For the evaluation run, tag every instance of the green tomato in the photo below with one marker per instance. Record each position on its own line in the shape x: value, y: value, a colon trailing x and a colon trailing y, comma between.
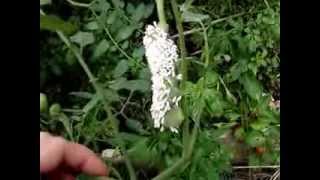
x: 174, y: 118
x: 55, y: 109
x: 43, y: 103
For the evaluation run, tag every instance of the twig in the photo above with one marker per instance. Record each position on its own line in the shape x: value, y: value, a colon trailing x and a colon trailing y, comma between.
x: 79, y: 4
x: 275, y: 175
x: 256, y: 167
x: 116, y: 173
x: 206, y: 45
x: 127, y: 102
x: 267, y: 4
x: 211, y: 24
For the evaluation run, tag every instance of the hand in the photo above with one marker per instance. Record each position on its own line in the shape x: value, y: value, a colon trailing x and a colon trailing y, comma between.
x: 62, y: 160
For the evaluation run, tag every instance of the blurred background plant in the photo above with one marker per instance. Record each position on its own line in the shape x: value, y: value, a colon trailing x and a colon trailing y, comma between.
x: 95, y: 84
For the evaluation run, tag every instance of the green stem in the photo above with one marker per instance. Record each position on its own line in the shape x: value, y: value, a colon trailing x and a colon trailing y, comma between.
x: 79, y: 4
x: 116, y: 173
x: 206, y: 45
x: 161, y: 15
x: 182, y: 46
x: 185, y: 137
x: 130, y: 168
x: 182, y: 161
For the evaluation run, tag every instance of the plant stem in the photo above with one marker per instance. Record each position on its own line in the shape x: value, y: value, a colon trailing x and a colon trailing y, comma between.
x: 116, y: 173
x: 130, y: 168
x: 182, y: 161
x: 206, y: 45
x: 211, y: 24
x: 161, y: 15
x: 79, y: 4
x: 182, y: 46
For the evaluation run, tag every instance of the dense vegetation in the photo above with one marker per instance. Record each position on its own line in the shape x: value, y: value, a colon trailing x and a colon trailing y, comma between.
x: 95, y: 84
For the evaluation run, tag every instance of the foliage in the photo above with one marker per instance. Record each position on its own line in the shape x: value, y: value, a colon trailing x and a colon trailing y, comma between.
x: 233, y: 53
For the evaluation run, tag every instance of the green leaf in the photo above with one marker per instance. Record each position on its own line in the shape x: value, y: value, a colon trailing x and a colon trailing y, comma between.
x: 45, y: 2
x: 135, y: 126
x: 254, y: 139
x: 139, y: 12
x: 85, y: 95
x: 211, y: 79
x: 132, y: 85
x: 111, y: 95
x: 138, y: 85
x: 101, y: 48
x: 148, y: 10
x: 252, y: 86
x: 121, y: 68
x: 214, y: 101
x: 193, y: 17
x: 145, y: 74
x: 119, y: 83
x: 93, y: 25
x: 54, y: 23
x: 138, y: 52
x: 232, y: 116
x: 118, y: 3
x: 125, y: 33
x: 113, y: 17
x: 259, y: 125
x: 100, y: 6
x: 83, y: 38
x: 130, y: 8
x: 91, y: 104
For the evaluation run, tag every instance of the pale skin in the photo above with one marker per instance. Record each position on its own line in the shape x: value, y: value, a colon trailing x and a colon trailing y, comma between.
x: 63, y: 160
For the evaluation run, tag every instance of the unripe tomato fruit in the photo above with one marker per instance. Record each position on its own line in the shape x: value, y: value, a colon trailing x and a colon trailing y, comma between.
x: 43, y: 103
x: 55, y: 109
